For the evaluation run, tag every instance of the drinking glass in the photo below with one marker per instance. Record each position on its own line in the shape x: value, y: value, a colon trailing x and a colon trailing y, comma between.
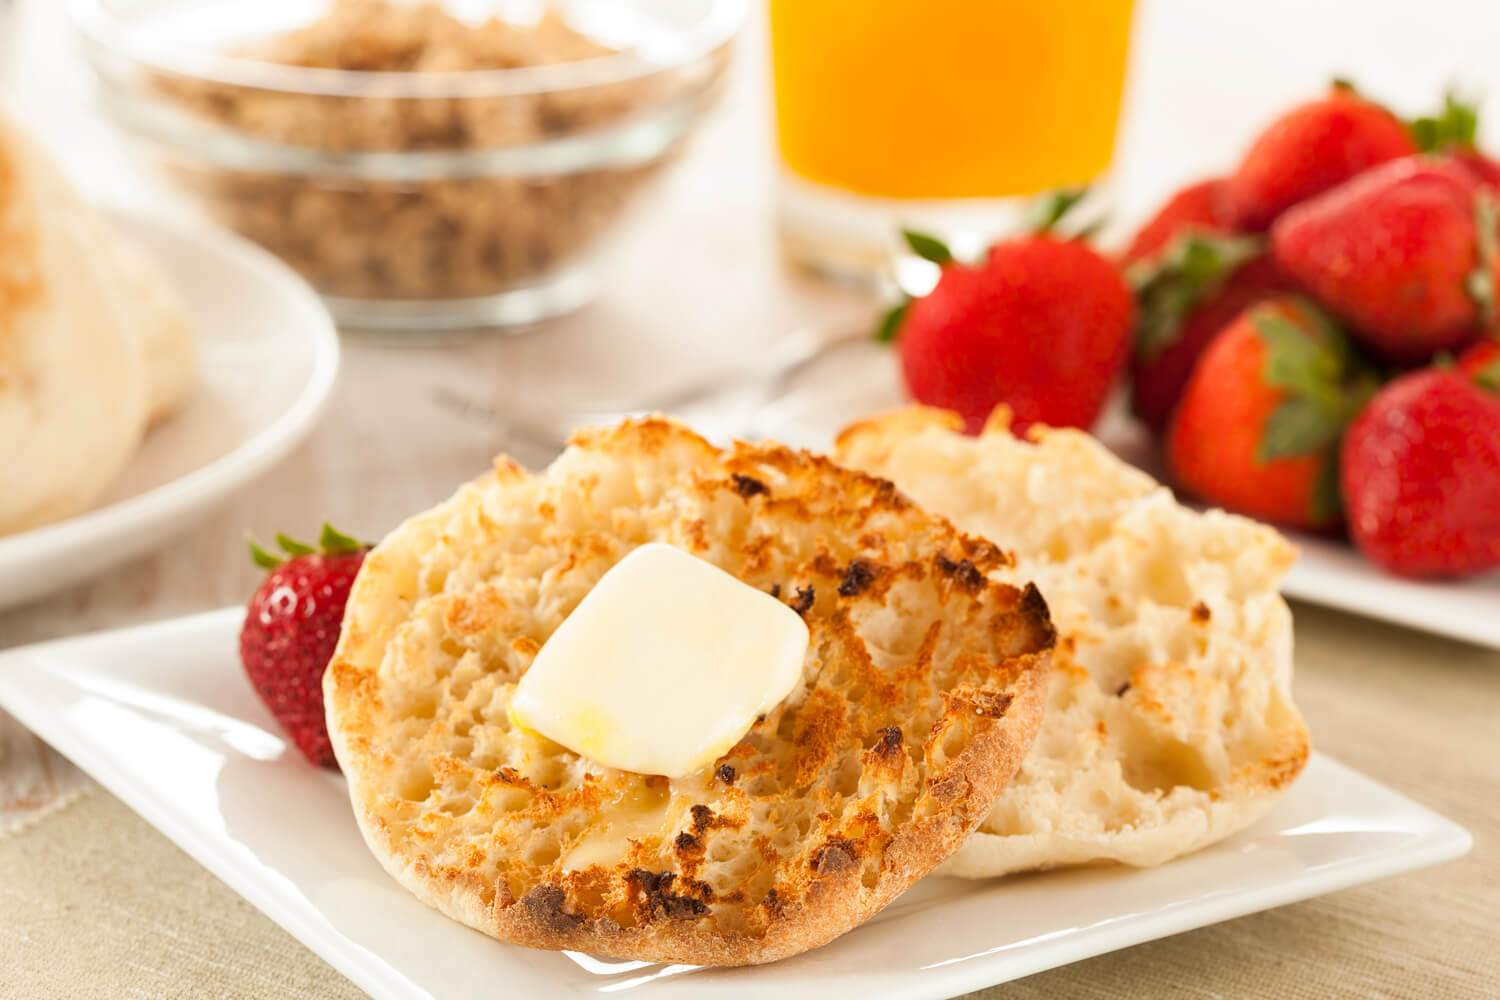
x: 944, y: 114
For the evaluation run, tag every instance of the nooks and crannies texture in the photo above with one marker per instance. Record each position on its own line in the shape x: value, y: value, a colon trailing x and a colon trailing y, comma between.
x: 1170, y: 723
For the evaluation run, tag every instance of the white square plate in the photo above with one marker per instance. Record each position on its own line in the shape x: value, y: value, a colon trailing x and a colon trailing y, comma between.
x: 162, y: 716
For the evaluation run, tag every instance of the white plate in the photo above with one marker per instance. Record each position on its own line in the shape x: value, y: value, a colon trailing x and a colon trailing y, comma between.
x: 267, y: 357
x: 859, y: 378
x: 162, y: 716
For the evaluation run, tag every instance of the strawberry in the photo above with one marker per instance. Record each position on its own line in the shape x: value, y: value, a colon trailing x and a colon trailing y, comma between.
x: 1184, y: 297
x: 1405, y: 254
x: 1310, y: 149
x: 1485, y: 169
x: 291, y: 628
x: 1258, y: 426
x: 1197, y: 208
x: 1042, y: 325
x: 1481, y: 363
x: 1421, y: 476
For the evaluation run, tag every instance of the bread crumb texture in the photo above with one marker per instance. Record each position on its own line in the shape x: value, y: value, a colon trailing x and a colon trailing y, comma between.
x: 1169, y: 722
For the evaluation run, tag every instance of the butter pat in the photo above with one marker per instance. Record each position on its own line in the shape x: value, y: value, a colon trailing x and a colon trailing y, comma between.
x: 663, y: 666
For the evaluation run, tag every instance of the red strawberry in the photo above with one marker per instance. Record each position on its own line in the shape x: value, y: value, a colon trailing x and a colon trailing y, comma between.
x: 1184, y: 297
x: 1481, y: 363
x: 291, y: 628
x: 1042, y: 326
x: 1481, y: 166
x: 1257, y: 428
x: 1404, y: 253
x: 1196, y: 208
x: 1421, y: 476
x: 1309, y: 150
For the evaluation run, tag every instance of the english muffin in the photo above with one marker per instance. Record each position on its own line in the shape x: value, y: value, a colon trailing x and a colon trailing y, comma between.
x: 923, y: 686
x: 1170, y: 722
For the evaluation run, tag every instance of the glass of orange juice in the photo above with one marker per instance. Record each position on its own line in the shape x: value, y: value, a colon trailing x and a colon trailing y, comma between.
x: 943, y: 114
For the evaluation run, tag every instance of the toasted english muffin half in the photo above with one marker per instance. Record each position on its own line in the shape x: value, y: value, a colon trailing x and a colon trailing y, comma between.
x: 923, y: 686
x: 1170, y: 722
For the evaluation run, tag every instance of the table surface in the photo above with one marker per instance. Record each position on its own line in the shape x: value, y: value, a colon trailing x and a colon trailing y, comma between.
x: 95, y: 903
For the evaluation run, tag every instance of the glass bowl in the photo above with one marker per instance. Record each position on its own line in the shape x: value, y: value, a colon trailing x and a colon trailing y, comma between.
x: 422, y: 166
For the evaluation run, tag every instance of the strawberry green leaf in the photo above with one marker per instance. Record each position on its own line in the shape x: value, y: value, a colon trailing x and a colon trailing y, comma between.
x: 1298, y: 426
x: 335, y: 543
x: 292, y: 547
x: 1323, y: 385
x: 1344, y: 84
x: 262, y: 558
x: 1171, y: 284
x: 1454, y: 126
x: 1309, y: 361
x: 890, y: 324
x: 1201, y: 261
x: 927, y: 247
x: 1048, y: 210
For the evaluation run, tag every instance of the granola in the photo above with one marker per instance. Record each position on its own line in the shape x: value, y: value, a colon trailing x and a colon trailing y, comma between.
x: 460, y: 232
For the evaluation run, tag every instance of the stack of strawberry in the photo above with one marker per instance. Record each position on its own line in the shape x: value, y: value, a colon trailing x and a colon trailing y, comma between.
x: 1291, y: 333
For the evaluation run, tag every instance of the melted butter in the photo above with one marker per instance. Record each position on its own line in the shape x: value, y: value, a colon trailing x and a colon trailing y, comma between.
x: 663, y: 666
x: 640, y: 815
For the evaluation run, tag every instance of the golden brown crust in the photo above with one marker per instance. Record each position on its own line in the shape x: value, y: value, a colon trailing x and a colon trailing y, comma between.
x: 924, y: 686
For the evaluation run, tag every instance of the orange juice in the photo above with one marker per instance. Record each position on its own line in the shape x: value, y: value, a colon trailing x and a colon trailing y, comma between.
x: 932, y: 99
